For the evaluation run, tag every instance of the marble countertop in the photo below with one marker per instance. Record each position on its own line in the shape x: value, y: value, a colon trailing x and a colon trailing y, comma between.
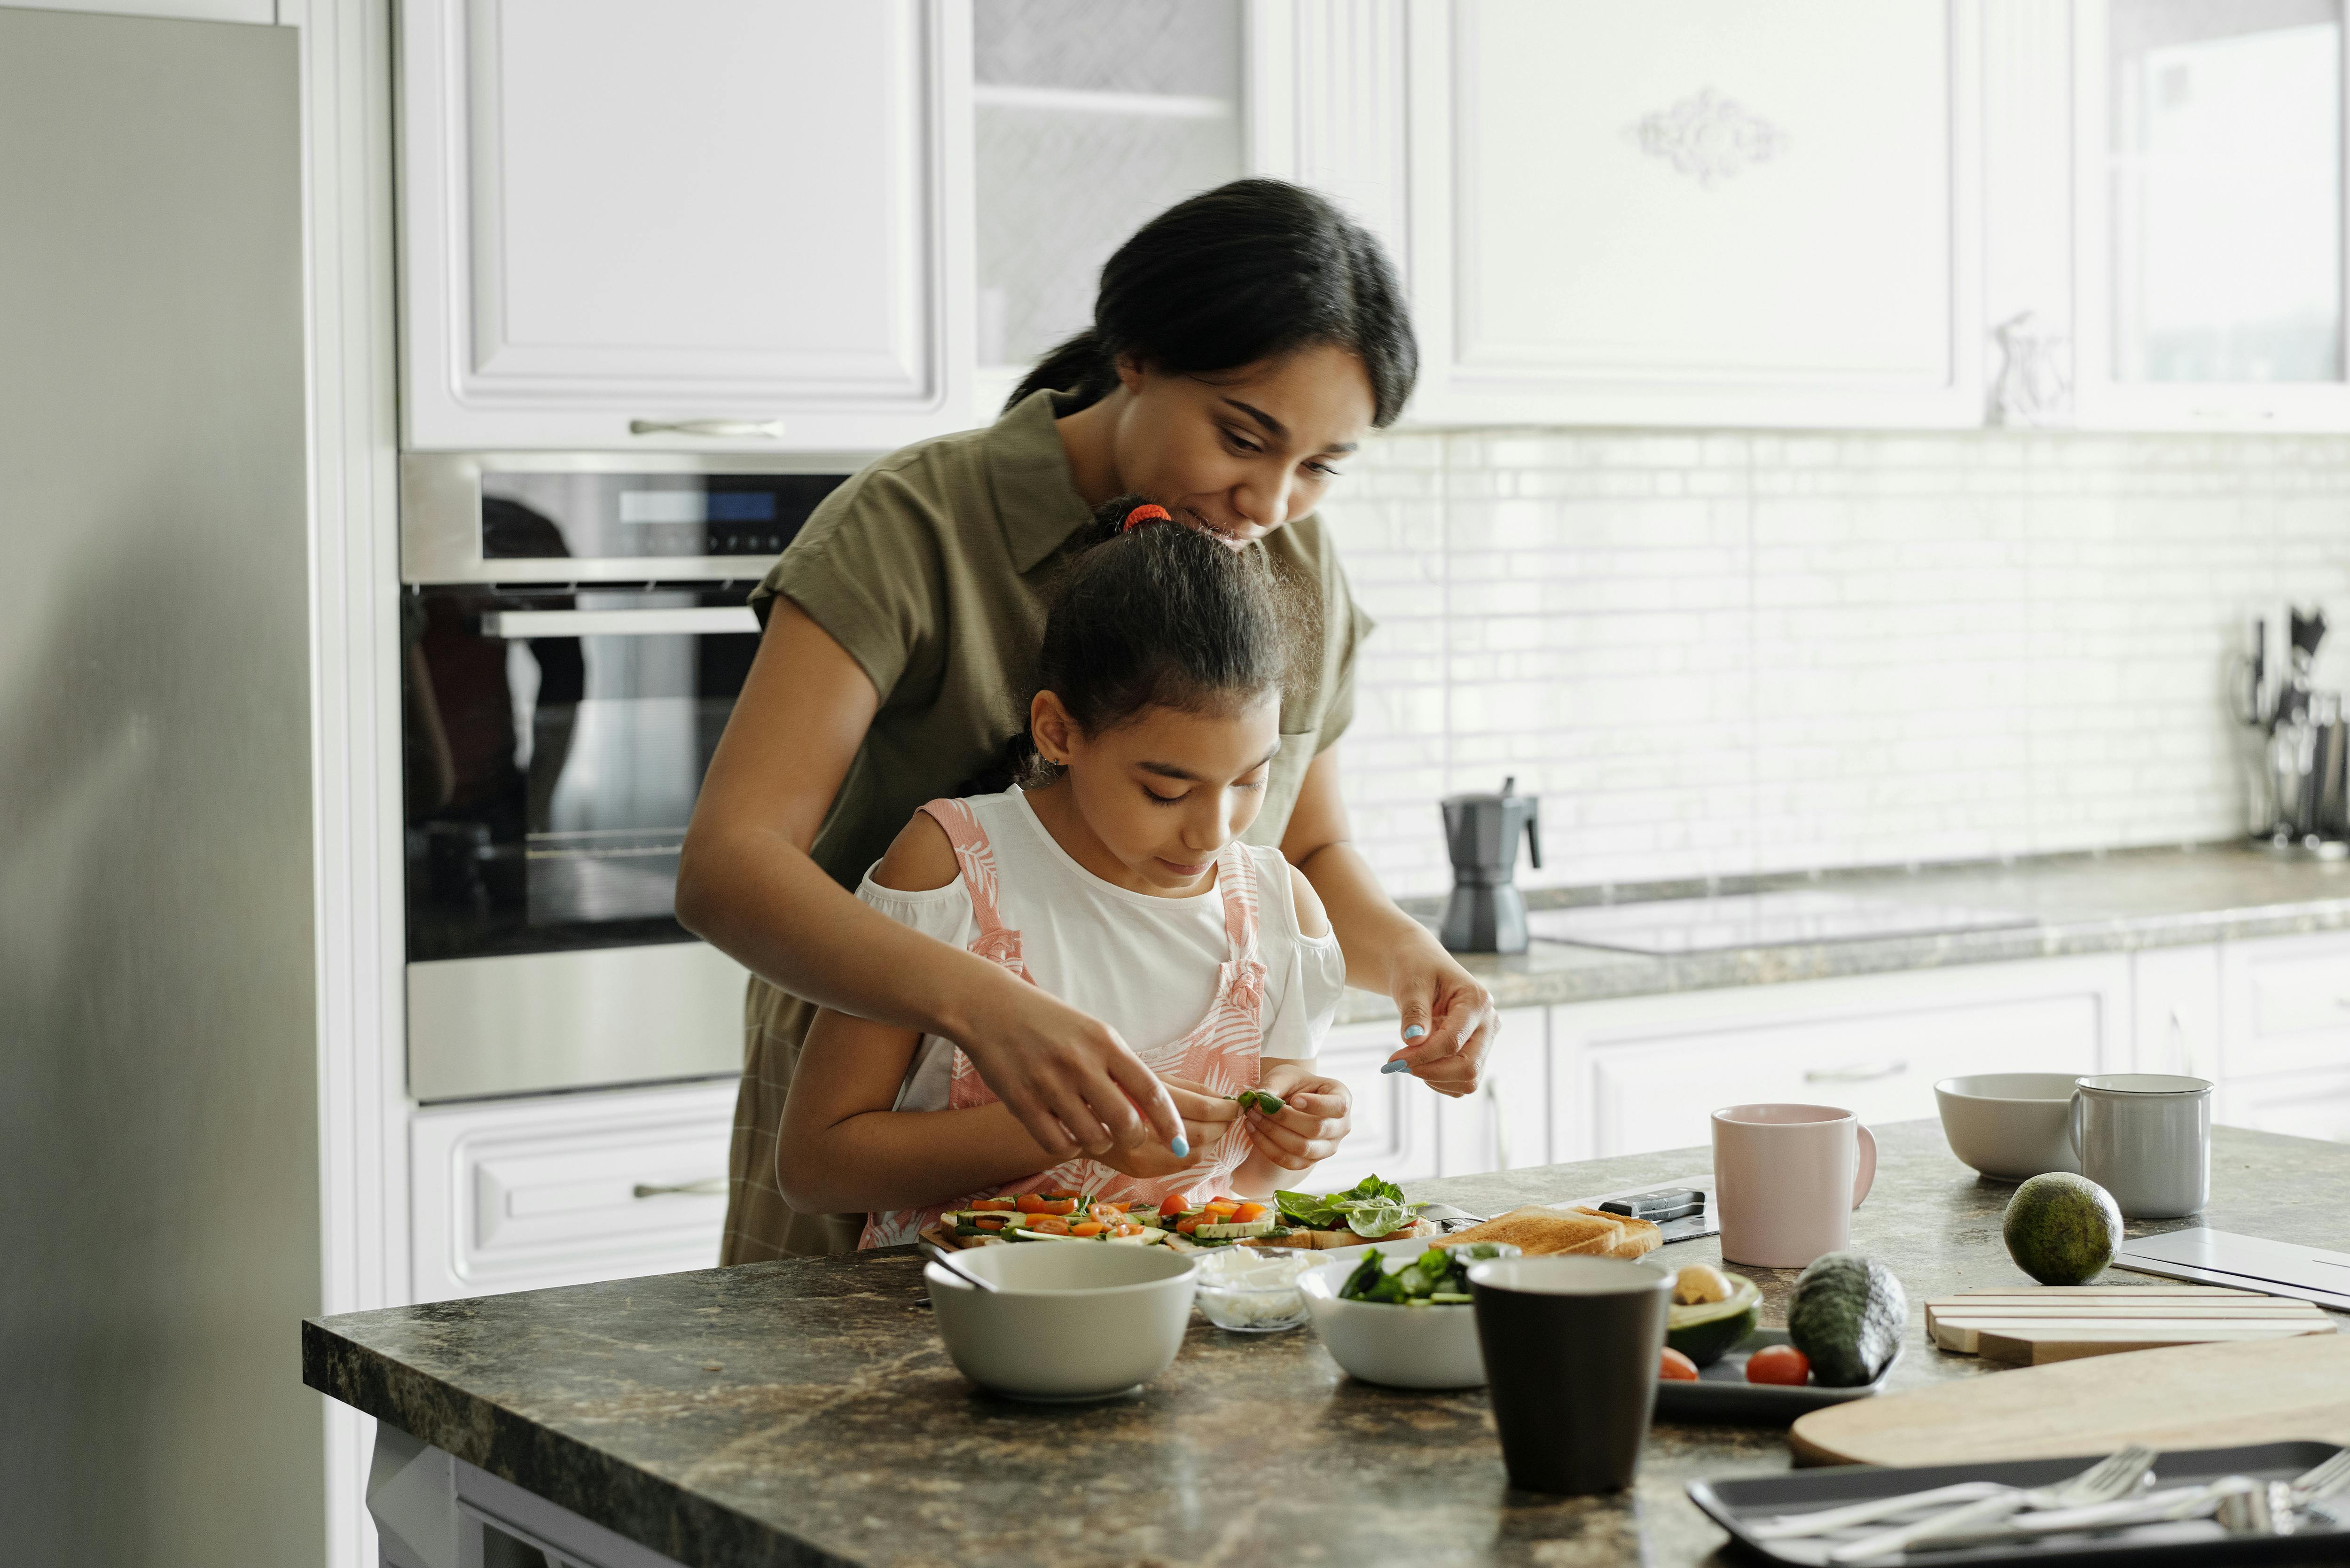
x: 2079, y: 904
x: 805, y: 1412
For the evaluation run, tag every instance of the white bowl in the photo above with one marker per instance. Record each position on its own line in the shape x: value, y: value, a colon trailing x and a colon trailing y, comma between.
x: 1401, y: 1346
x: 1249, y: 1290
x: 1070, y: 1320
x: 2011, y: 1126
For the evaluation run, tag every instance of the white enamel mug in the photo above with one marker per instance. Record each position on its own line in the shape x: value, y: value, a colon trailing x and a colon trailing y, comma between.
x: 1787, y: 1179
x: 2146, y: 1137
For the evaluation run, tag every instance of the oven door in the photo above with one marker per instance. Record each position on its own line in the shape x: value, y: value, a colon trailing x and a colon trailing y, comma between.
x: 556, y: 740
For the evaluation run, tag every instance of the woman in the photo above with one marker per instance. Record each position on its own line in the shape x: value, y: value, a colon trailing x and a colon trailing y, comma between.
x: 1243, y: 343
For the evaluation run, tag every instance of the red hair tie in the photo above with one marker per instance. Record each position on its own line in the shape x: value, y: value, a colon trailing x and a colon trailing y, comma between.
x: 1147, y: 512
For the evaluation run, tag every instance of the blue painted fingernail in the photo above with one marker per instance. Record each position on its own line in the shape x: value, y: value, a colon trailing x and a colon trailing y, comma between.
x: 1181, y: 1146
x: 1415, y: 1032
x: 1396, y: 1067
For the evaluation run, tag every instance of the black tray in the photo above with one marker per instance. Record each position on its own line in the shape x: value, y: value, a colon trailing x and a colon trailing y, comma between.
x: 1722, y: 1394
x: 1734, y: 1504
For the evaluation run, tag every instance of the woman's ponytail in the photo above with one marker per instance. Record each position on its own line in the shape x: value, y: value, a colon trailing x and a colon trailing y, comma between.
x: 1078, y: 366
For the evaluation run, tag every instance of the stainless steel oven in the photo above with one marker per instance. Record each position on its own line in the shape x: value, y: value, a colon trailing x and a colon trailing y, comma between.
x: 576, y: 632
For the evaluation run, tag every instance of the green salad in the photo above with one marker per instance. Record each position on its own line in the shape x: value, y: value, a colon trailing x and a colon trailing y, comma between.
x: 1369, y: 1208
x: 1438, y: 1277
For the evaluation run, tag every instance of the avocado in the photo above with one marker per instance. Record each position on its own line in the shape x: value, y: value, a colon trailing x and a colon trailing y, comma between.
x: 1234, y: 1228
x: 2062, y: 1229
x: 1848, y: 1313
x: 1704, y: 1331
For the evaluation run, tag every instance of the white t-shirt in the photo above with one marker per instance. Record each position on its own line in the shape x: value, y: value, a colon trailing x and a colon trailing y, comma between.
x: 1144, y: 965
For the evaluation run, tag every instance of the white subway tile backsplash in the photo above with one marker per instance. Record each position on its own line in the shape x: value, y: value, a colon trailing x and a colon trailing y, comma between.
x: 1721, y: 653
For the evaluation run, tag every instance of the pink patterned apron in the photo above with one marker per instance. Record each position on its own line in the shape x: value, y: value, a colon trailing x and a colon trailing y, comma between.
x: 1223, y: 1052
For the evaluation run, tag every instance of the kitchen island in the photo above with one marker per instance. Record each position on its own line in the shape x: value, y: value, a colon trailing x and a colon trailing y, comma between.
x: 806, y: 1412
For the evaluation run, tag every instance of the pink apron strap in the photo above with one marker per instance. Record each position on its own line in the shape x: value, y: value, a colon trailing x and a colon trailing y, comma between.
x: 1236, y: 877
x: 976, y: 860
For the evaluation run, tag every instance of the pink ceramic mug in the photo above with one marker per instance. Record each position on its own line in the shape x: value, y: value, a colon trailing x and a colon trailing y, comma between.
x: 1787, y: 1179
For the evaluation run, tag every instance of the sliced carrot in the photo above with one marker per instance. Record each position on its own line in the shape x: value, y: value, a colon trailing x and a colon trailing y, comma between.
x: 989, y: 1224
x: 1087, y: 1228
x: 1171, y: 1205
x: 1248, y: 1212
x: 1223, y: 1209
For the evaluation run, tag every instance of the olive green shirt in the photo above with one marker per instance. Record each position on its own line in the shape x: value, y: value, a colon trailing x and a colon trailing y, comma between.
x: 934, y: 569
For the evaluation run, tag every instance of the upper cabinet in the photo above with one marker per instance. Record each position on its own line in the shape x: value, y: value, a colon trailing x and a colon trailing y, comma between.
x: 2208, y: 143
x: 1704, y: 212
x: 735, y: 224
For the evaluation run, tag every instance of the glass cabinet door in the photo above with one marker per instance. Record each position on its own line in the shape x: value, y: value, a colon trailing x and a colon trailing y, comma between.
x: 2214, y: 142
x: 1092, y: 117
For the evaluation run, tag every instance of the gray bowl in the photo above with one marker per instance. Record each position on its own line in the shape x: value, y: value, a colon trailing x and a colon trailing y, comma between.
x: 2011, y: 1126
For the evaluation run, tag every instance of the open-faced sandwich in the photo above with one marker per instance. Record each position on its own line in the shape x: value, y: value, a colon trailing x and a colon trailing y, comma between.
x: 1540, y: 1232
x: 1371, y: 1210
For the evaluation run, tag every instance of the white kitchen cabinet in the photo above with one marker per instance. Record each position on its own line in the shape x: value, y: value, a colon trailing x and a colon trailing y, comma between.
x: 2299, y: 1105
x: 563, y: 1190
x: 2208, y: 180
x: 741, y: 224
x: 1709, y: 213
x: 1395, y: 1114
x: 2176, y: 1014
x: 2286, y: 1006
x: 1647, y: 1073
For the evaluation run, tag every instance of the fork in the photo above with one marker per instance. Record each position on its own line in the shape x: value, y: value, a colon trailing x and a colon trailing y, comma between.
x: 2322, y: 1480
x: 2116, y: 1476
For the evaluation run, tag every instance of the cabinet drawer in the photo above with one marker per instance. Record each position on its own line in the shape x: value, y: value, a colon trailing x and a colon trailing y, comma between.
x: 1649, y: 1074
x: 2288, y: 1004
x: 534, y: 1193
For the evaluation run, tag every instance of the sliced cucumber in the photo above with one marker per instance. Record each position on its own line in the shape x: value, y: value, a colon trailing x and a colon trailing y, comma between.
x: 1234, y: 1228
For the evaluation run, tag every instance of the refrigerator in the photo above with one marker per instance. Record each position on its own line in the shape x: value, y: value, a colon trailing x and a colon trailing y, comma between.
x: 158, y: 1153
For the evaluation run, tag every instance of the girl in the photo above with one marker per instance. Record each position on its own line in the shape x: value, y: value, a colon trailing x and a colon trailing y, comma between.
x: 1245, y: 343
x: 1117, y: 882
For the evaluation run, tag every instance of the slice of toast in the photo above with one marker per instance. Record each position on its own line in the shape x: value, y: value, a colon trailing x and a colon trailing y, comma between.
x: 1541, y: 1231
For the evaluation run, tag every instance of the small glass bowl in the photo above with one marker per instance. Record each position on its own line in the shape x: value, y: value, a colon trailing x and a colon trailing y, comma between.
x: 1248, y: 1291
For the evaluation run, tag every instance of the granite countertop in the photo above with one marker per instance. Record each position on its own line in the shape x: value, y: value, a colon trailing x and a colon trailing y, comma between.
x: 2112, y: 902
x: 806, y: 1412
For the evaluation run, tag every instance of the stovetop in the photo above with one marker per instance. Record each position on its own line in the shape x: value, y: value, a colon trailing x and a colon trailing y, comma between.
x: 1793, y: 918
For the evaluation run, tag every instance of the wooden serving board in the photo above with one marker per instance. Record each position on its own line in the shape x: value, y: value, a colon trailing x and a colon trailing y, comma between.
x: 2192, y: 1396
x: 2035, y: 1325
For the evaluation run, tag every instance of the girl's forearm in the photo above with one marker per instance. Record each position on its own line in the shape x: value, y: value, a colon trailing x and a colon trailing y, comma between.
x: 1371, y: 931
x: 905, y: 1159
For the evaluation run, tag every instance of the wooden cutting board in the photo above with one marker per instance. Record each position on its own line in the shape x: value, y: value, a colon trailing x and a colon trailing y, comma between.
x: 2035, y: 1325
x: 2193, y: 1396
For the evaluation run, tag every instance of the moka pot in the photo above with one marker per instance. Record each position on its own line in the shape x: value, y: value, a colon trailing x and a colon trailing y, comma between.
x: 1486, y: 913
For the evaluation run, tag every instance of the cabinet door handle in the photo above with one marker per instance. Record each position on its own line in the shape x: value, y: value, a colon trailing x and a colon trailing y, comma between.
x: 766, y: 429
x: 708, y: 1187
x: 1863, y: 1074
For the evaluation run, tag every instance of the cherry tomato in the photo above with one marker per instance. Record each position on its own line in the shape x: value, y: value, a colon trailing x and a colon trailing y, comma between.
x: 1087, y: 1228
x: 1185, y: 1227
x: 1049, y: 1225
x: 1675, y: 1367
x: 1779, y: 1363
x: 990, y: 1224
x: 1059, y: 1206
x: 1171, y: 1205
x: 1029, y: 1203
x: 1004, y: 1203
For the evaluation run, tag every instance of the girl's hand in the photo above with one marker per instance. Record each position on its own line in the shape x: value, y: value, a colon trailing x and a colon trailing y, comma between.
x: 1208, y: 1117
x: 1319, y: 1116
x: 1448, y: 1020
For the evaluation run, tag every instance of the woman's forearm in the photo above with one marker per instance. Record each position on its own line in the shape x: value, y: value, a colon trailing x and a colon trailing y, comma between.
x: 904, y: 1159
x: 776, y: 913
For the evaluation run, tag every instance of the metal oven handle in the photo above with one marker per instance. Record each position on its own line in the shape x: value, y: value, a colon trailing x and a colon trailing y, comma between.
x: 692, y: 621
x: 719, y: 430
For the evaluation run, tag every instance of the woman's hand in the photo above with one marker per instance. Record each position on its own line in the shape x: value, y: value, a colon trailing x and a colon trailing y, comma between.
x: 1068, y: 1076
x: 1319, y: 1116
x: 1208, y: 1119
x: 1449, y: 1019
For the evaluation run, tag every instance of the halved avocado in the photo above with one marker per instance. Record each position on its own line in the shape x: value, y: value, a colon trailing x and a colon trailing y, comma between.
x: 1704, y: 1331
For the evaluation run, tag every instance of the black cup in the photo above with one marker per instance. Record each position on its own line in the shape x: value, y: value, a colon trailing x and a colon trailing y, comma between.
x: 1571, y: 1348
